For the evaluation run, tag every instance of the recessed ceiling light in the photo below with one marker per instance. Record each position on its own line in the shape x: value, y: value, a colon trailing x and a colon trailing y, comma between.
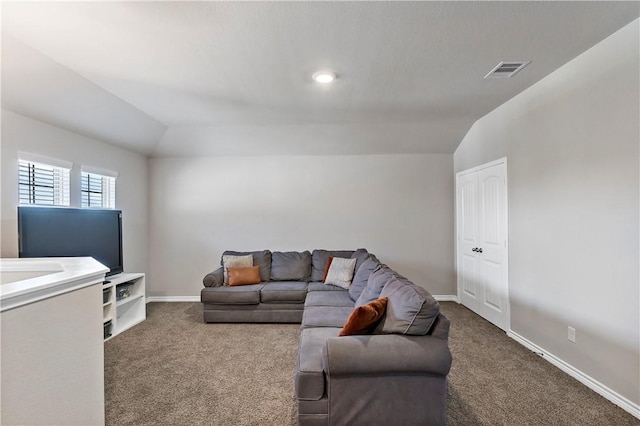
x: 324, y: 77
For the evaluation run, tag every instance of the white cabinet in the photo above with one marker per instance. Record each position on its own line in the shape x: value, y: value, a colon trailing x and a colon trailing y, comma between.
x: 51, y: 351
x: 125, y: 304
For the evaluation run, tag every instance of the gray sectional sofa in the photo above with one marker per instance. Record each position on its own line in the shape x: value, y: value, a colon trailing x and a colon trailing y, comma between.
x: 397, y: 375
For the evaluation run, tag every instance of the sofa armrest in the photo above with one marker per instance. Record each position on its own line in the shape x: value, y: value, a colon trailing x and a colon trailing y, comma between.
x: 214, y: 278
x: 350, y: 356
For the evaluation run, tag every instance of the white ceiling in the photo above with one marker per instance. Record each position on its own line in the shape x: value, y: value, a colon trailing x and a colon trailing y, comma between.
x: 233, y: 78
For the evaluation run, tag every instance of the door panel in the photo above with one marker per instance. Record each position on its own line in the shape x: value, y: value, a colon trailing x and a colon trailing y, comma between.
x: 469, y: 195
x: 490, y: 187
x: 491, y: 285
x: 468, y: 239
x: 469, y: 276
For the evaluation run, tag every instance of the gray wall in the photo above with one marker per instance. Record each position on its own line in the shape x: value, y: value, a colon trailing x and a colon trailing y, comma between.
x: 573, y: 164
x: 20, y: 133
x: 399, y: 207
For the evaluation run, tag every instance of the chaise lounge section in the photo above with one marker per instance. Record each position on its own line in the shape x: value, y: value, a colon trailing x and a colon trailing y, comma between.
x: 397, y: 374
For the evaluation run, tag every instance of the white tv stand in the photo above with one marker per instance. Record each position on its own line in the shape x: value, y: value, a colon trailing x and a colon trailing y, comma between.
x: 129, y: 311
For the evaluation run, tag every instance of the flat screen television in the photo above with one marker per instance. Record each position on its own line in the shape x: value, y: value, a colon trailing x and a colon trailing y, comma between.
x: 66, y: 232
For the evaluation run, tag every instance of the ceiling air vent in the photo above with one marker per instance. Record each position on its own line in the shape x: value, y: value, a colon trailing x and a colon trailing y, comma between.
x: 507, y: 69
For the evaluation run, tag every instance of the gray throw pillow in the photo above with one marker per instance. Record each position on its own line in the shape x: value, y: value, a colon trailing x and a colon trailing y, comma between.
x: 375, y: 283
x: 410, y: 309
x: 361, y: 277
x: 290, y: 266
x: 261, y: 258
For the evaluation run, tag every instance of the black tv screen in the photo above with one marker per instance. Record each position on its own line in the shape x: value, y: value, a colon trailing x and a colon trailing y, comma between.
x: 65, y: 232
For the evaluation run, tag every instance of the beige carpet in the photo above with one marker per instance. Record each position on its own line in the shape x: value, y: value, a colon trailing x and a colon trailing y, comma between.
x: 174, y: 370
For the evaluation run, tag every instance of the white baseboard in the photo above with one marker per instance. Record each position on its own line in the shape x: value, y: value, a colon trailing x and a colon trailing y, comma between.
x: 173, y: 299
x: 446, y: 298
x: 624, y: 403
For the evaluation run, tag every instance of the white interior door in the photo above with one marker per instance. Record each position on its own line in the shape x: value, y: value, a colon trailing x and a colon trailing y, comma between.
x: 482, y: 258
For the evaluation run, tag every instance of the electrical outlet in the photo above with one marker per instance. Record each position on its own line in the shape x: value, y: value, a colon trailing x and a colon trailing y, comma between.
x: 571, y: 334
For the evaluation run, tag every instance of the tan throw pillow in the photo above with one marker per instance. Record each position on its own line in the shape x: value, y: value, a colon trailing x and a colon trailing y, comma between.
x: 363, y: 319
x: 231, y: 261
x: 245, y: 275
x: 341, y: 272
x: 326, y: 269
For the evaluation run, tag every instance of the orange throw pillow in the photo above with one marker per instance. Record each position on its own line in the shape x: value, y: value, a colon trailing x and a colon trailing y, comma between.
x: 326, y: 269
x: 363, y: 319
x: 245, y: 275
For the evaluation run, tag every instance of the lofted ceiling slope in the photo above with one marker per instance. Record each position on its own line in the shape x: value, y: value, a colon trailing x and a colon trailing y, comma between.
x: 234, y: 78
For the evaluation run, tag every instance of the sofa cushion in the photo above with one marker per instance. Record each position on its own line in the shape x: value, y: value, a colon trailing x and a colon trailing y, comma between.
x: 375, y: 283
x: 360, y: 256
x: 320, y: 258
x: 340, y: 272
x: 225, y: 295
x: 316, y: 286
x: 262, y: 258
x: 325, y: 316
x: 410, y: 309
x: 244, y: 276
x: 284, y: 292
x: 310, y: 380
x: 290, y: 266
x: 365, y: 318
x: 328, y: 298
x: 359, y: 282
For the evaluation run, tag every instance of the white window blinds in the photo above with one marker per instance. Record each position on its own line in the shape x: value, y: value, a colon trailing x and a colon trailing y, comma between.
x: 42, y: 184
x: 98, y: 190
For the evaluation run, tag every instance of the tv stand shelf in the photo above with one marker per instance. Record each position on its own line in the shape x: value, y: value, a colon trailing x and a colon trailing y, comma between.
x: 128, y: 300
x: 128, y: 311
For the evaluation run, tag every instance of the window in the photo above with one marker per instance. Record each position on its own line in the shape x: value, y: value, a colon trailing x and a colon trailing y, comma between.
x: 98, y: 189
x: 43, y: 181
